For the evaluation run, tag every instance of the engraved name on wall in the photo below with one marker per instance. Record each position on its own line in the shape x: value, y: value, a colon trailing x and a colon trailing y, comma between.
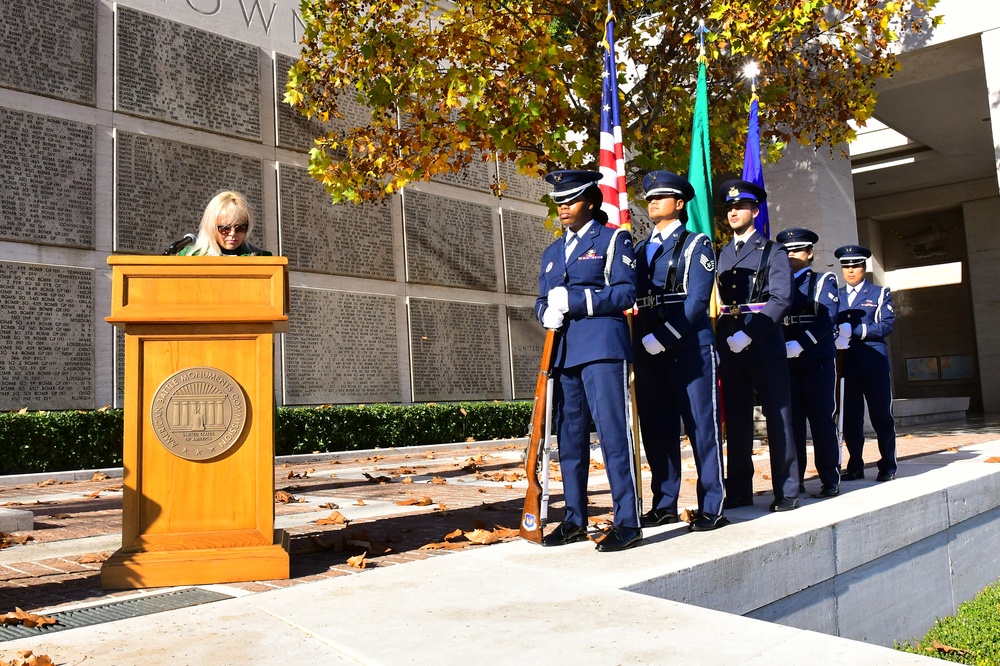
x: 164, y: 186
x: 456, y: 350
x: 47, y: 47
x: 297, y: 132
x: 526, y: 340
x: 46, y: 337
x: 341, y: 348
x: 521, y: 187
x: 342, y: 239
x: 449, y: 242
x: 180, y: 74
x: 524, y: 239
x: 48, y: 191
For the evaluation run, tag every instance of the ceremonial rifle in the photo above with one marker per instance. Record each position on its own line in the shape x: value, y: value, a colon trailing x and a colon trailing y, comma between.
x: 531, y: 523
x: 840, y: 402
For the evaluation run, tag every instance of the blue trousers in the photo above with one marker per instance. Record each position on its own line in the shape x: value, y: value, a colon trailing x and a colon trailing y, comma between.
x: 672, y: 387
x: 770, y: 378
x: 875, y: 390
x: 597, y: 391
x: 813, y: 394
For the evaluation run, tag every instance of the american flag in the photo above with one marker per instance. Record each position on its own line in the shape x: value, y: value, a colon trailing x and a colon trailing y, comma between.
x: 612, y: 156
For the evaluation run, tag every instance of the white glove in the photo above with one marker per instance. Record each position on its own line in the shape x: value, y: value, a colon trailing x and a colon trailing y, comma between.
x: 844, y: 330
x: 738, y: 341
x: 559, y: 299
x: 793, y: 348
x: 652, y: 345
x: 552, y: 318
x: 842, y: 343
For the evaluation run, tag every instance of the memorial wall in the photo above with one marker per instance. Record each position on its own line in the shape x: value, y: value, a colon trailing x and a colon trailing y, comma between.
x: 120, y: 120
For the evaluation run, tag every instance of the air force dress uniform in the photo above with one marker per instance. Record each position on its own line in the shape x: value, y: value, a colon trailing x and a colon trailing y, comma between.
x: 869, y: 318
x: 809, y: 342
x: 675, y: 270
x: 596, y: 268
x: 755, y: 290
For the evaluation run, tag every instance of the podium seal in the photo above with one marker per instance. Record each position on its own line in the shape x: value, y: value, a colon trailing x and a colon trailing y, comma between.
x: 198, y: 413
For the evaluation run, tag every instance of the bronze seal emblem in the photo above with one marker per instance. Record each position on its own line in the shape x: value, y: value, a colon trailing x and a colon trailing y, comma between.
x: 198, y: 413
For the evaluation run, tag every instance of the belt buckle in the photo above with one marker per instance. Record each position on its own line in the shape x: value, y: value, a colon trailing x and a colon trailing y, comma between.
x: 733, y: 310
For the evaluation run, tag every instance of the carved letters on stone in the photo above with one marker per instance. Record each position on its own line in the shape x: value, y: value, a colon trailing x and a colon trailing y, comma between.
x: 46, y: 337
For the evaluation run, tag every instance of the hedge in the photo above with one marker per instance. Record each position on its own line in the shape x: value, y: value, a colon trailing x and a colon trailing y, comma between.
x: 55, y: 441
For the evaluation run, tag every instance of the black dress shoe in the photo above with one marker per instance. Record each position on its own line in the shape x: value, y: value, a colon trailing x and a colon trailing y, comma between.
x: 706, y: 522
x: 829, y: 491
x: 620, y: 537
x: 885, y: 476
x: 564, y: 534
x: 785, y: 504
x: 737, y: 502
x: 656, y: 517
x: 802, y: 488
x: 848, y: 475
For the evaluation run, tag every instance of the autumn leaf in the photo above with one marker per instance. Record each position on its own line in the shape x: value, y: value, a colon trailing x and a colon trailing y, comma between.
x: 437, y: 480
x: 414, y: 501
x: 329, y: 505
x: 93, y: 558
x: 406, y: 479
x: 99, y: 476
x: 442, y: 508
x: 285, y: 497
x: 993, y: 459
x: 482, y: 537
x: 7, y: 540
x: 377, y: 479
x: 30, y: 620
x: 335, y: 518
x: 453, y: 535
x: 26, y: 658
x: 46, y: 482
x: 946, y: 649
x: 360, y: 502
x: 506, y: 532
x: 358, y: 561
x: 93, y: 495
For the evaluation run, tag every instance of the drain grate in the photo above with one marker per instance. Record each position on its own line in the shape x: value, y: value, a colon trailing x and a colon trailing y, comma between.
x: 116, y: 610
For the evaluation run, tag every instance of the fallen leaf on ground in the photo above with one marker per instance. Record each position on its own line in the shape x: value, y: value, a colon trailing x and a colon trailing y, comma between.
x: 93, y: 558
x: 360, y: 502
x: 7, y: 540
x: 442, y: 508
x: 450, y: 536
x: 952, y: 449
x: 483, y: 490
x: 99, y: 476
x: 335, y: 518
x: 30, y: 620
x: 437, y: 480
x: 993, y: 459
x: 329, y: 505
x: 445, y: 545
x: 113, y: 489
x: 26, y: 658
x: 284, y: 497
x: 415, y: 501
x: 406, y: 479
x: 947, y: 649
x: 687, y: 516
x: 46, y: 482
x: 505, y: 532
x: 358, y: 561
x: 93, y: 495
x: 377, y: 479
x: 60, y: 516
x: 482, y: 537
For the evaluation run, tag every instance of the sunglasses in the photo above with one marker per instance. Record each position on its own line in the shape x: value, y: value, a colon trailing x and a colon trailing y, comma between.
x: 226, y: 228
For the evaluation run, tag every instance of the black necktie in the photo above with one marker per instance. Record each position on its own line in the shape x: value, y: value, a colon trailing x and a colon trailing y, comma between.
x: 739, y: 246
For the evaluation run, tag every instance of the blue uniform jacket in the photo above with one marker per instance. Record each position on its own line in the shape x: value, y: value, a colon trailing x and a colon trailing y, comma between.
x: 871, y: 319
x: 736, y: 278
x: 816, y: 337
x: 684, y: 325
x: 600, y: 279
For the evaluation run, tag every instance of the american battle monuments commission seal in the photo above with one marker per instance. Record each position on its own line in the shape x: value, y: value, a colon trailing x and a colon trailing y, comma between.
x: 198, y: 413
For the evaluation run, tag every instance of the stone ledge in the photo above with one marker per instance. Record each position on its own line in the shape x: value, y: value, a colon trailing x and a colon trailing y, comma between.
x: 16, y: 520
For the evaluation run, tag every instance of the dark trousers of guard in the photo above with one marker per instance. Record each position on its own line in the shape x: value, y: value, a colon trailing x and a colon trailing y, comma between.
x: 875, y: 390
x: 813, y: 394
x: 671, y: 387
x: 597, y: 390
x: 770, y: 378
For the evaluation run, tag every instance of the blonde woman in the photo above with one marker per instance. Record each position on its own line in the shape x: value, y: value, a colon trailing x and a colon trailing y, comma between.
x: 225, y: 225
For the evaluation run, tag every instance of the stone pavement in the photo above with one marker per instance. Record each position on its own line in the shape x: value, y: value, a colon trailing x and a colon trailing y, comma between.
x: 471, y: 486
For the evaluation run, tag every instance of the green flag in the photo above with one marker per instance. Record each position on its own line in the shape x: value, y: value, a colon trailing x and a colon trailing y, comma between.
x: 701, y: 218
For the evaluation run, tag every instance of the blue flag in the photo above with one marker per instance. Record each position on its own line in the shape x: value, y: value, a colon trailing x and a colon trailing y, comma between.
x: 752, y: 170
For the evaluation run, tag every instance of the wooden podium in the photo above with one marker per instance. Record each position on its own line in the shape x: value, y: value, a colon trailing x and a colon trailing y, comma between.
x: 199, y: 419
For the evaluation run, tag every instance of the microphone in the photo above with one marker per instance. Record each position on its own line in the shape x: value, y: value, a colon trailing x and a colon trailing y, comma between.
x: 180, y: 243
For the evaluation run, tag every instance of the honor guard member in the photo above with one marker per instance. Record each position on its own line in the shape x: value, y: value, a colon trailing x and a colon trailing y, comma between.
x: 587, y: 281
x: 675, y: 360
x: 809, y: 345
x: 865, y: 319
x: 755, y: 289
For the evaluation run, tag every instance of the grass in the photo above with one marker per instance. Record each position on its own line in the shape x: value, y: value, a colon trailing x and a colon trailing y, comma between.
x: 971, y: 636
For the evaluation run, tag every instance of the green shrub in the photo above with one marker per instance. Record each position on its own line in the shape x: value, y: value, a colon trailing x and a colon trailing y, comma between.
x: 54, y: 441
x: 971, y: 636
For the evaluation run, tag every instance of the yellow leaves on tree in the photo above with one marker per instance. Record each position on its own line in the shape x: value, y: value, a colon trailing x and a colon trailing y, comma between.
x: 442, y: 85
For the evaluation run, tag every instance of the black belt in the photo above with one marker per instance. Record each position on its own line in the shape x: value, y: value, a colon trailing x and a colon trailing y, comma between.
x: 745, y: 308
x: 799, y: 319
x: 659, y: 299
